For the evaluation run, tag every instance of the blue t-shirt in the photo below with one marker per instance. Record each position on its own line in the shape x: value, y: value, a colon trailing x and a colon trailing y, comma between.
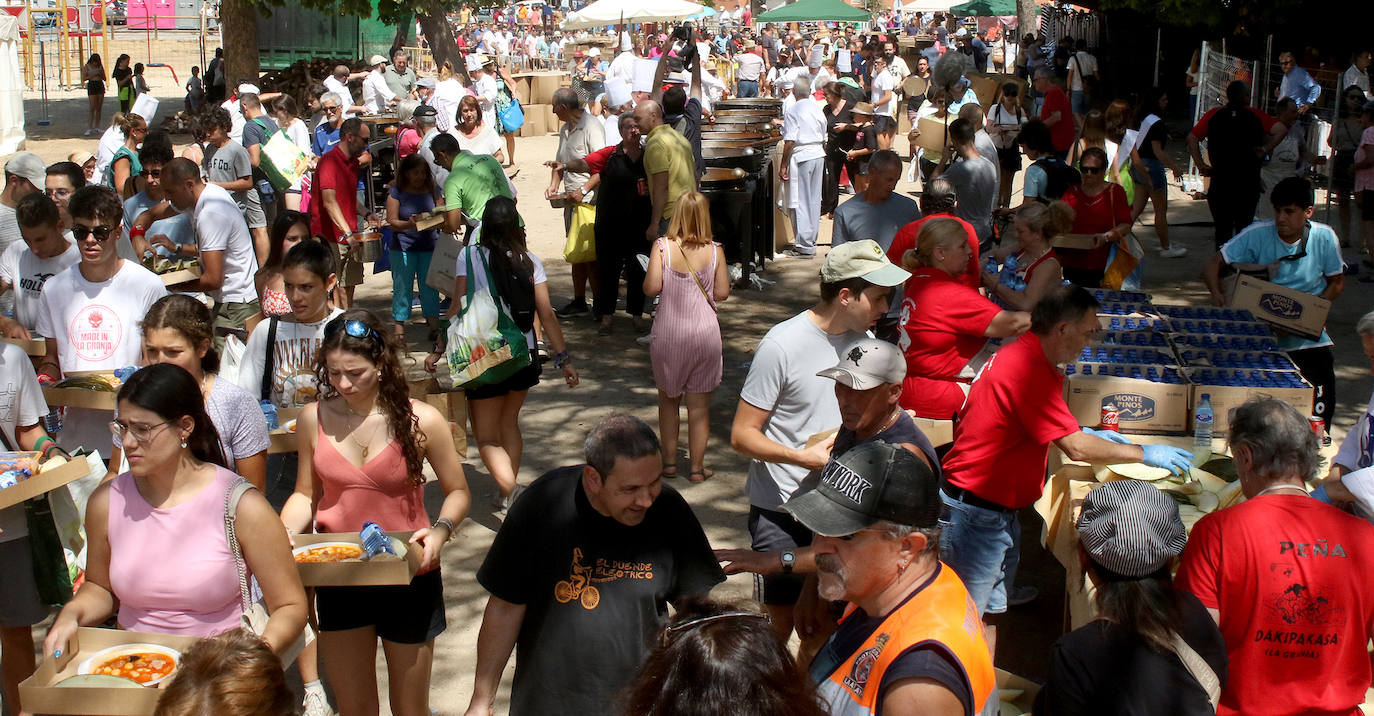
x: 411, y: 204
x: 1036, y: 181
x: 1259, y: 243
x: 324, y: 139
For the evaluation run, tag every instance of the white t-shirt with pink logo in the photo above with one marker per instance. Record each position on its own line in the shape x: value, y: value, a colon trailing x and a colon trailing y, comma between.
x: 96, y: 326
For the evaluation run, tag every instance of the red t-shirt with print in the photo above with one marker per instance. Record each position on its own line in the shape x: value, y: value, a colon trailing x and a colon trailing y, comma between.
x: 1094, y: 215
x: 906, y: 239
x: 1014, y: 410
x: 943, y: 321
x: 1290, y: 577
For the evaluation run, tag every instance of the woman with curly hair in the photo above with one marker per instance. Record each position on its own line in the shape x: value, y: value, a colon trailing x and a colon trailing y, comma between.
x: 362, y: 449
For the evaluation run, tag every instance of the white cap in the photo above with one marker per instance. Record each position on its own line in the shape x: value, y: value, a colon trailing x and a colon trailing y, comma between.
x: 617, y: 92
x: 246, y: 88
x: 594, y: 52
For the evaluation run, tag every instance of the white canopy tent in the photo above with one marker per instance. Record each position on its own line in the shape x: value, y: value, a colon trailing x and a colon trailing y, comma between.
x: 11, y: 87
x: 612, y: 12
x: 914, y: 6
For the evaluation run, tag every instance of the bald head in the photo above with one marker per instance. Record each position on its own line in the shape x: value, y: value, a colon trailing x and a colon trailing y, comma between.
x: 649, y: 115
x: 180, y: 170
x: 340, y: 71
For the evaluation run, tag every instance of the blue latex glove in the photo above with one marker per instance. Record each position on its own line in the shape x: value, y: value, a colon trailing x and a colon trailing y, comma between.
x: 1110, y: 436
x: 1175, y: 460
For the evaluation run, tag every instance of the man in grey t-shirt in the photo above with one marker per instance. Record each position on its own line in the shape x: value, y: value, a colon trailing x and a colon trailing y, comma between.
x: 879, y: 212
x: 784, y: 403
x: 974, y: 178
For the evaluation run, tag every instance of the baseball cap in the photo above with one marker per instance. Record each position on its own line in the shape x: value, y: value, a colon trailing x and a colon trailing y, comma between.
x: 862, y: 259
x: 426, y: 82
x: 376, y: 60
x: 424, y: 110
x: 873, y: 481
x: 1130, y: 528
x: 247, y: 88
x: 27, y: 165
x: 868, y: 363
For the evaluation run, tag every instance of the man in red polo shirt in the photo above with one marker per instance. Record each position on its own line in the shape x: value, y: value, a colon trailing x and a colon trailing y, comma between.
x: 1056, y: 112
x: 1015, y: 409
x: 939, y: 199
x: 336, y: 218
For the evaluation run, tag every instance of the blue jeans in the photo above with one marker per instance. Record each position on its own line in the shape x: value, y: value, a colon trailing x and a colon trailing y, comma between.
x: 406, y: 266
x: 1079, y: 101
x: 748, y: 88
x: 984, y: 548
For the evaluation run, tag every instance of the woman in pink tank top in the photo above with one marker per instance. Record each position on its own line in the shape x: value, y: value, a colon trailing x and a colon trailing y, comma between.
x: 362, y: 448
x: 156, y: 534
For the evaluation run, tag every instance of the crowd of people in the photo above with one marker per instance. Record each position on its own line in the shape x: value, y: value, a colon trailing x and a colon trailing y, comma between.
x: 881, y: 551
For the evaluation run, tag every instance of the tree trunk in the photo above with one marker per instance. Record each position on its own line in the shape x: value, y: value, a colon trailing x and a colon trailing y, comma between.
x: 239, y: 36
x: 442, y: 44
x: 1026, y: 13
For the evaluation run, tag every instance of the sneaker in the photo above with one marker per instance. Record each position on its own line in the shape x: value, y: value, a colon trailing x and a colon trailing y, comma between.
x: 1022, y: 594
x: 1173, y: 252
x: 576, y: 307
x: 316, y: 704
x: 644, y: 340
x: 795, y: 254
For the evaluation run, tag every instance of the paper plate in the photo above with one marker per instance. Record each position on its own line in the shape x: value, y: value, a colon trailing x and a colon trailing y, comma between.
x: 1139, y: 471
x: 306, y: 548
x: 102, y: 681
x: 290, y: 425
x: 101, y: 657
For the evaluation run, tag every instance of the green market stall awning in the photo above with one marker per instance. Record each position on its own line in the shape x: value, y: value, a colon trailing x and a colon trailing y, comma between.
x: 816, y: 11
x: 985, y: 8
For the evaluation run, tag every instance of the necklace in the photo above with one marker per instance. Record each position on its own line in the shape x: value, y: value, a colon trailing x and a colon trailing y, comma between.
x: 1277, y: 488
x: 352, y: 434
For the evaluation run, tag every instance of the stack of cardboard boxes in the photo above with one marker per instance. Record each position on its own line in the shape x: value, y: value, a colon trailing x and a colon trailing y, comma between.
x: 1154, y: 363
x: 535, y: 92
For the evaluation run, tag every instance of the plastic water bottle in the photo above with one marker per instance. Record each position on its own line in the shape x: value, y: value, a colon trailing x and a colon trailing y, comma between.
x: 375, y: 541
x: 1203, y: 417
x: 269, y: 411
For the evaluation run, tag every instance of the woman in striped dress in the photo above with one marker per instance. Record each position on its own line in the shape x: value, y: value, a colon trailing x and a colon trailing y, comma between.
x: 687, y: 271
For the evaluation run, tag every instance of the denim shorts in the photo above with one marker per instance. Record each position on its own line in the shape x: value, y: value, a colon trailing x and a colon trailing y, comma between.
x: 773, y: 531
x: 984, y: 548
x: 1159, y: 180
x: 1078, y: 99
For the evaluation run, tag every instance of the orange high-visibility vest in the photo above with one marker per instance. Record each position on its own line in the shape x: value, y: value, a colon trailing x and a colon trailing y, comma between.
x: 941, y: 616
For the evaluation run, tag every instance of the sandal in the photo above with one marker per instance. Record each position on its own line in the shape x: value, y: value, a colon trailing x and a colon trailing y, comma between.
x: 700, y: 476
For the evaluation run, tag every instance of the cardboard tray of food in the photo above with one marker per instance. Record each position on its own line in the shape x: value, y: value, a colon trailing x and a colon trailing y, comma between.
x: 44, y: 482
x: 355, y: 574
x: 284, y: 438
x: 180, y: 276
x: 83, y: 397
x: 41, y: 693
x: 34, y: 347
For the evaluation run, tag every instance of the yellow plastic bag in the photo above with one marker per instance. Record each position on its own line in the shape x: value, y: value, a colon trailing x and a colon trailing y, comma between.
x: 581, y: 245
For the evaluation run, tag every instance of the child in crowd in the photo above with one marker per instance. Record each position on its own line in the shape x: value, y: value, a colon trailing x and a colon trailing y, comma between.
x: 865, y: 144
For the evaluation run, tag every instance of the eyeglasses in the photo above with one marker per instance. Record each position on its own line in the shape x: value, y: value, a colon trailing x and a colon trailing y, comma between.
x: 355, y: 329
x: 57, y: 192
x: 154, y: 173
x: 1086, y: 169
x: 142, y: 433
x: 330, y: 108
x: 690, y: 624
x: 101, y: 233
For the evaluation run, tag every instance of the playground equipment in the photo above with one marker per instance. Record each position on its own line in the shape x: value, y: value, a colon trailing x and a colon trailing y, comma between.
x: 76, y: 29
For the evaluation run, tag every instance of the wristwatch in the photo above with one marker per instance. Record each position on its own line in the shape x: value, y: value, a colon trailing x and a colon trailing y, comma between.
x: 789, y: 559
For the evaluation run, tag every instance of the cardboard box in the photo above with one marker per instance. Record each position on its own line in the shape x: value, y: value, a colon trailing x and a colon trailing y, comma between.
x: 933, y: 136
x: 41, y: 694
x: 357, y: 574
x: 1301, y: 314
x: 44, y: 482
x: 1237, y: 360
x: 81, y: 397
x: 551, y: 121
x: 1226, y: 398
x: 1075, y: 241
x: 283, y: 440
x: 1145, y: 407
x: 34, y: 347
x: 521, y: 88
x: 172, y: 278
x: 543, y: 85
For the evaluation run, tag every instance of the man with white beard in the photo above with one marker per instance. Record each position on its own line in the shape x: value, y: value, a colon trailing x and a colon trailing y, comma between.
x: 910, y: 641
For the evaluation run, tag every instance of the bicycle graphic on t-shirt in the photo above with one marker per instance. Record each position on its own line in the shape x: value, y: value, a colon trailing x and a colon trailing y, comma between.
x: 576, y: 586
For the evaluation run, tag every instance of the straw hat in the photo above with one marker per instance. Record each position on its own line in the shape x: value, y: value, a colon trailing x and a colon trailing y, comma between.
x: 863, y: 108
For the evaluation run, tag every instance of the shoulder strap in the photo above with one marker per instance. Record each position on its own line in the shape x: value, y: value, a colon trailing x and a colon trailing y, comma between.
x: 695, y: 278
x: 270, y: 358
x: 236, y: 490
x: 1200, y: 669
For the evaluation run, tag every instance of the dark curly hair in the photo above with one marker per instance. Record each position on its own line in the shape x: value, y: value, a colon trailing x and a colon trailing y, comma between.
x: 382, y: 349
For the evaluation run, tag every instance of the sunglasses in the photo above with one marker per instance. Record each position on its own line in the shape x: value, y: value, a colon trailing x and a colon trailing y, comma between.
x: 101, y: 233
x: 353, y: 328
x: 690, y: 624
x: 155, y: 173
x: 330, y: 108
x: 1086, y: 169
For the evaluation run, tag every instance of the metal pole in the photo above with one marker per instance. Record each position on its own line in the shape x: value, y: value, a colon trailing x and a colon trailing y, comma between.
x: 43, y: 79
x: 1159, y: 41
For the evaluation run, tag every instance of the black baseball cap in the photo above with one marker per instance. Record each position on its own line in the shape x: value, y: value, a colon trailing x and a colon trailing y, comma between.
x: 425, y: 110
x: 873, y: 481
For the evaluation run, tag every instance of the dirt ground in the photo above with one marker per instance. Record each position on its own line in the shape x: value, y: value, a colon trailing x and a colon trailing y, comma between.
x: 616, y: 377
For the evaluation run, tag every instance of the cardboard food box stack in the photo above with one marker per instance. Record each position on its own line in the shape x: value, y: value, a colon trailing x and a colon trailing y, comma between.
x: 1130, y: 366
x: 535, y: 92
x: 1231, y: 356
x: 1301, y: 314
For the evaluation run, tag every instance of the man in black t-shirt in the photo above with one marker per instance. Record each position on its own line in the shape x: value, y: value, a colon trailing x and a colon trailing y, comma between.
x: 581, y: 573
x: 1235, y: 135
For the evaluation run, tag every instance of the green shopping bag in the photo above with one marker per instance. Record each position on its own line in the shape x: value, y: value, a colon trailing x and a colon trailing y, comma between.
x: 283, y: 162
x: 485, y: 346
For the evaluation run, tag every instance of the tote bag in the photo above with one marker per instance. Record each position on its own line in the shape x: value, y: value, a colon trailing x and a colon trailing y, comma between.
x: 581, y: 244
x: 484, y: 345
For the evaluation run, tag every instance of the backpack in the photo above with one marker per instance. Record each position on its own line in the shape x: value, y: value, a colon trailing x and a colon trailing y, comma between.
x: 1059, y: 177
